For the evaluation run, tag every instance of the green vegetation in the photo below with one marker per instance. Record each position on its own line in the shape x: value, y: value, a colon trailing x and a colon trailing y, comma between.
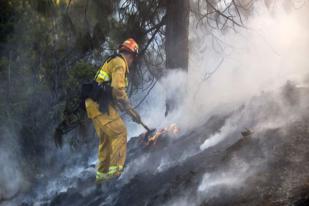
x: 48, y: 48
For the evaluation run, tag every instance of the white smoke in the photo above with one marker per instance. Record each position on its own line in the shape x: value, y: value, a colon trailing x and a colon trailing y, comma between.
x: 230, y: 178
x: 249, y: 68
x: 262, y: 58
x: 216, y: 138
x: 135, y: 167
x: 227, y: 70
x: 12, y: 180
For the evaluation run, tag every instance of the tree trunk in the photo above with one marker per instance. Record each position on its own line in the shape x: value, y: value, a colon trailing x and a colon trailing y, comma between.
x: 176, y: 45
x: 177, y: 24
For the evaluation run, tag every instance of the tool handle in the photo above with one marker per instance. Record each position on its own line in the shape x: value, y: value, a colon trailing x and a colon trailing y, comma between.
x: 147, y: 128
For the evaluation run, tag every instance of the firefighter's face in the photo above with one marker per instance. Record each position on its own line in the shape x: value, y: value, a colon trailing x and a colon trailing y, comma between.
x: 130, y: 59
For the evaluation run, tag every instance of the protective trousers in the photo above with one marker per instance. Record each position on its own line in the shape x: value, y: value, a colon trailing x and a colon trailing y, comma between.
x: 112, y: 134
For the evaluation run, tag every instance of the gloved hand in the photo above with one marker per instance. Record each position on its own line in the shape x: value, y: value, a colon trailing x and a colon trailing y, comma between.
x: 134, y: 115
x: 58, y: 139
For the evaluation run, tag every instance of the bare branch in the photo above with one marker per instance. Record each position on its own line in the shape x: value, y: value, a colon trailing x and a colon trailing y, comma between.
x: 237, y: 11
x: 147, y: 94
x: 207, y: 75
x: 157, y: 28
x: 159, y: 25
x: 68, y: 6
x: 222, y: 14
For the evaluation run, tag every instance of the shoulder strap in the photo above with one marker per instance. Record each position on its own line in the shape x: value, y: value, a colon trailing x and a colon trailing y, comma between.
x: 108, y: 59
x: 116, y: 54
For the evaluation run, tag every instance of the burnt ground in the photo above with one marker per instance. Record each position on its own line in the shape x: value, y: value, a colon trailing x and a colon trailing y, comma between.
x: 276, y: 172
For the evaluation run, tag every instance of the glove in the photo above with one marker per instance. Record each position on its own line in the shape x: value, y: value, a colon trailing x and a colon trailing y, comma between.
x: 58, y: 139
x: 134, y: 115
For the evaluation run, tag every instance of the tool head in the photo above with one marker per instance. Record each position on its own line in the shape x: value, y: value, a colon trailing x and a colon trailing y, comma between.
x: 149, y: 133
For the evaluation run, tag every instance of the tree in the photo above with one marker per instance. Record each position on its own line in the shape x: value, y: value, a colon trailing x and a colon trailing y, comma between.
x: 46, y: 44
x: 177, y: 31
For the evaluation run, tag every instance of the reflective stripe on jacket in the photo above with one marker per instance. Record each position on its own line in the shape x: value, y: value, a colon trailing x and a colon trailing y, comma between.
x: 115, y: 71
x: 110, y: 65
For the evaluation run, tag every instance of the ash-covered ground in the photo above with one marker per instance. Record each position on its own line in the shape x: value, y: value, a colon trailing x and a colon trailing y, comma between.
x: 212, y: 164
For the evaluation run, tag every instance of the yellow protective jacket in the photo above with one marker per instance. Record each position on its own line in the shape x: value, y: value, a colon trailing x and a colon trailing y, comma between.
x: 115, y: 71
x: 110, y: 128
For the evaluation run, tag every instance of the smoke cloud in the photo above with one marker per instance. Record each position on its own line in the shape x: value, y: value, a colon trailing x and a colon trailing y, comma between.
x: 262, y: 58
x: 226, y: 71
x: 11, y: 178
x: 246, y: 73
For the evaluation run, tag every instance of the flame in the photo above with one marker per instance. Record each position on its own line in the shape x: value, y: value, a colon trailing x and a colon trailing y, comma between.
x: 171, y: 131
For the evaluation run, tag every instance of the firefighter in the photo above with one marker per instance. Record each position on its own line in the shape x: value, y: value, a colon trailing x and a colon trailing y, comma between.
x: 109, y: 126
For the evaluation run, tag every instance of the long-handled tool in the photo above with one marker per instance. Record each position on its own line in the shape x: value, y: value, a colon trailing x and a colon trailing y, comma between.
x: 149, y: 133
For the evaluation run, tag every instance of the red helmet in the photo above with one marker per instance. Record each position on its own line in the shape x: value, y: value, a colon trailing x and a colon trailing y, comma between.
x: 129, y: 45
